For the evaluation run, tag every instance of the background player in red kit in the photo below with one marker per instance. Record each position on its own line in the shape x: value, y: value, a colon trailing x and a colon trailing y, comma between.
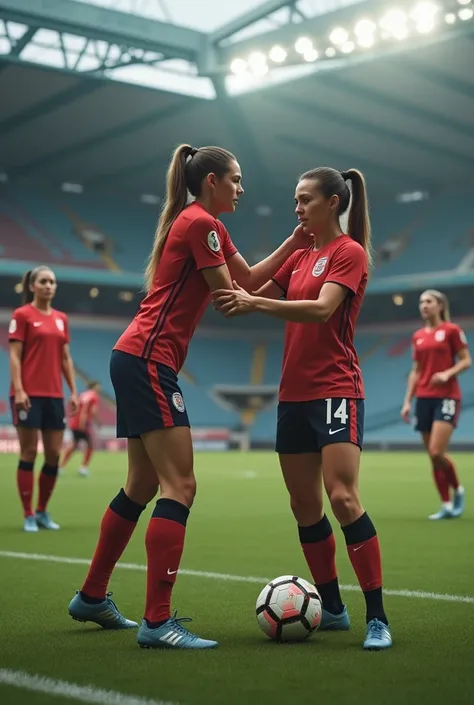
x: 39, y: 356
x: 81, y: 426
x: 191, y: 257
x: 321, y: 408
x: 433, y: 381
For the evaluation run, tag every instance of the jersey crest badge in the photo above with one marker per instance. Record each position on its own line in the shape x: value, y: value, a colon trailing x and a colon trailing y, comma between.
x: 320, y: 266
x: 60, y: 324
x: 213, y: 241
x: 178, y: 402
x: 439, y: 336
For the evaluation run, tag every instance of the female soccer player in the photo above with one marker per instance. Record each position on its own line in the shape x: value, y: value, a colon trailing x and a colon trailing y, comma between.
x: 80, y: 425
x: 192, y: 256
x: 39, y: 356
x: 433, y: 381
x: 321, y: 402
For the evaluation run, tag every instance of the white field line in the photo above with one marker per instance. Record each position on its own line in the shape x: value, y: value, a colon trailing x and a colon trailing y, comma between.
x: 419, y: 594
x: 72, y: 691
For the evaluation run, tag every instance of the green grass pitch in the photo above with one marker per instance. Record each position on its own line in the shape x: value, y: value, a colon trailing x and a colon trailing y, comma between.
x: 241, y: 526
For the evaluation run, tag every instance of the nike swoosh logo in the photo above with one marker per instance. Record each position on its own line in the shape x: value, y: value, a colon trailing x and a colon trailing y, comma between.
x: 358, y: 548
x: 171, y: 572
x: 336, y: 430
x: 36, y: 325
x: 296, y: 270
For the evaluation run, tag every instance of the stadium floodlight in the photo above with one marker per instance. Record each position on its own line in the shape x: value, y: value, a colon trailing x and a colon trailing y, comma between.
x: 398, y: 299
x: 278, y: 54
x: 94, y: 292
x: 330, y: 52
x: 258, y: 63
x: 424, y: 15
x: 347, y: 47
x: 238, y: 66
x: 303, y: 44
x: 466, y: 13
x: 394, y: 24
x: 339, y: 36
x: 310, y: 55
x: 365, y: 27
x: 464, y: 2
x: 450, y: 18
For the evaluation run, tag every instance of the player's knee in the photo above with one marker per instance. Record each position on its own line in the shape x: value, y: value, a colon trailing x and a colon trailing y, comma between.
x: 436, y: 456
x: 344, y: 503
x: 307, y: 508
x: 28, y: 453
x: 187, y: 490
x: 52, y: 457
x: 141, y: 492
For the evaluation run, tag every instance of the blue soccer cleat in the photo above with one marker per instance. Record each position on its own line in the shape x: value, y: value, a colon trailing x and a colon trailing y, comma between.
x: 30, y: 525
x: 378, y: 636
x: 445, y: 512
x: 44, y: 521
x: 171, y: 635
x: 335, y: 622
x: 105, y: 613
x: 459, y: 502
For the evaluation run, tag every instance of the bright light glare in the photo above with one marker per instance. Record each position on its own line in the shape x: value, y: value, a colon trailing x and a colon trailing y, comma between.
x: 366, y: 41
x: 347, y: 47
x: 393, y: 21
x: 466, y: 13
x: 424, y: 12
x: 238, y: 66
x: 450, y: 18
x: 310, y: 55
x: 339, y: 36
x: 303, y: 44
x: 330, y: 52
x: 257, y: 59
x: 278, y: 54
x: 365, y: 27
x: 464, y: 2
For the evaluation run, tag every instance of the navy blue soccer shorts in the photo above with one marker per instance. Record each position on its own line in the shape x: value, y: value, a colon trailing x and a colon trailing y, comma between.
x: 147, y: 394
x: 82, y: 436
x: 308, y: 426
x: 46, y: 414
x: 429, y: 409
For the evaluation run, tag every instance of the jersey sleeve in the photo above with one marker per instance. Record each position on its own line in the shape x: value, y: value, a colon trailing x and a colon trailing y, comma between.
x: 17, y: 329
x: 414, y: 349
x: 206, y: 243
x: 283, y: 276
x: 228, y: 247
x: 458, y: 339
x: 66, y: 330
x: 347, y: 267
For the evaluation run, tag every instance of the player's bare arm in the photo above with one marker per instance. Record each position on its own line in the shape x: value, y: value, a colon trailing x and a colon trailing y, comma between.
x: 21, y: 398
x: 238, y: 302
x: 463, y: 364
x: 70, y: 377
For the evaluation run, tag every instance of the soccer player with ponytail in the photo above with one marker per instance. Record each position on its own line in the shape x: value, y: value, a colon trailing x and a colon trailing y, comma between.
x: 440, y: 354
x: 321, y: 407
x: 39, y: 357
x: 192, y: 256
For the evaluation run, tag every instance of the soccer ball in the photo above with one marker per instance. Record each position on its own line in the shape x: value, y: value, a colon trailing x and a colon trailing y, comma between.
x: 289, y: 609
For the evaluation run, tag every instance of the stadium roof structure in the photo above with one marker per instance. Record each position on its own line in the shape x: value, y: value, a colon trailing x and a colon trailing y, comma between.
x: 404, y: 116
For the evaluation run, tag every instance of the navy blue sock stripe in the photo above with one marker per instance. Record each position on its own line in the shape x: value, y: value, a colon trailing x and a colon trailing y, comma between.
x: 315, y: 533
x: 170, y: 509
x: 126, y: 507
x: 24, y: 465
x: 359, y: 531
x: 51, y: 470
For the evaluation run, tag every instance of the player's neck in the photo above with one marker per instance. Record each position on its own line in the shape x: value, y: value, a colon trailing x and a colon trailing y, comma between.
x: 43, y: 306
x: 326, y: 236
x: 434, y: 323
x: 206, y: 203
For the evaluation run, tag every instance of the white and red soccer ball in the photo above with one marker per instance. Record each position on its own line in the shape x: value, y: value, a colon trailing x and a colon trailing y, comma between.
x: 289, y: 609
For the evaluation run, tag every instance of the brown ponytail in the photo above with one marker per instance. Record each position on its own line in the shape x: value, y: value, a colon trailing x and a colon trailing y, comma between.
x: 187, y: 170
x: 28, y: 280
x: 333, y: 183
x: 359, y: 218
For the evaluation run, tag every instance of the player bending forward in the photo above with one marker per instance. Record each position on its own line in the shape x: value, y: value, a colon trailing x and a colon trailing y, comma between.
x: 433, y: 381
x: 321, y: 408
x: 81, y: 426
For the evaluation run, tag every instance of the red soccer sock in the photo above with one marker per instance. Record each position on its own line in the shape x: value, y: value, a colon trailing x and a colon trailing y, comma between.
x: 451, y: 474
x: 46, y: 483
x: 164, y: 546
x: 24, y: 481
x: 87, y: 456
x: 442, y: 484
x: 116, y: 529
x: 67, y: 456
x: 364, y: 553
x: 319, y: 548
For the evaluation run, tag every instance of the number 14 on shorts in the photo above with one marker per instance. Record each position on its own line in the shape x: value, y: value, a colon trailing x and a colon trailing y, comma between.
x: 336, y: 411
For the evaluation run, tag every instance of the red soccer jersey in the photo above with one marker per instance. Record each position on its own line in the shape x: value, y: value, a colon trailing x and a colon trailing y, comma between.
x: 319, y: 359
x: 88, y: 402
x: 168, y: 316
x: 435, y: 350
x: 43, y: 337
